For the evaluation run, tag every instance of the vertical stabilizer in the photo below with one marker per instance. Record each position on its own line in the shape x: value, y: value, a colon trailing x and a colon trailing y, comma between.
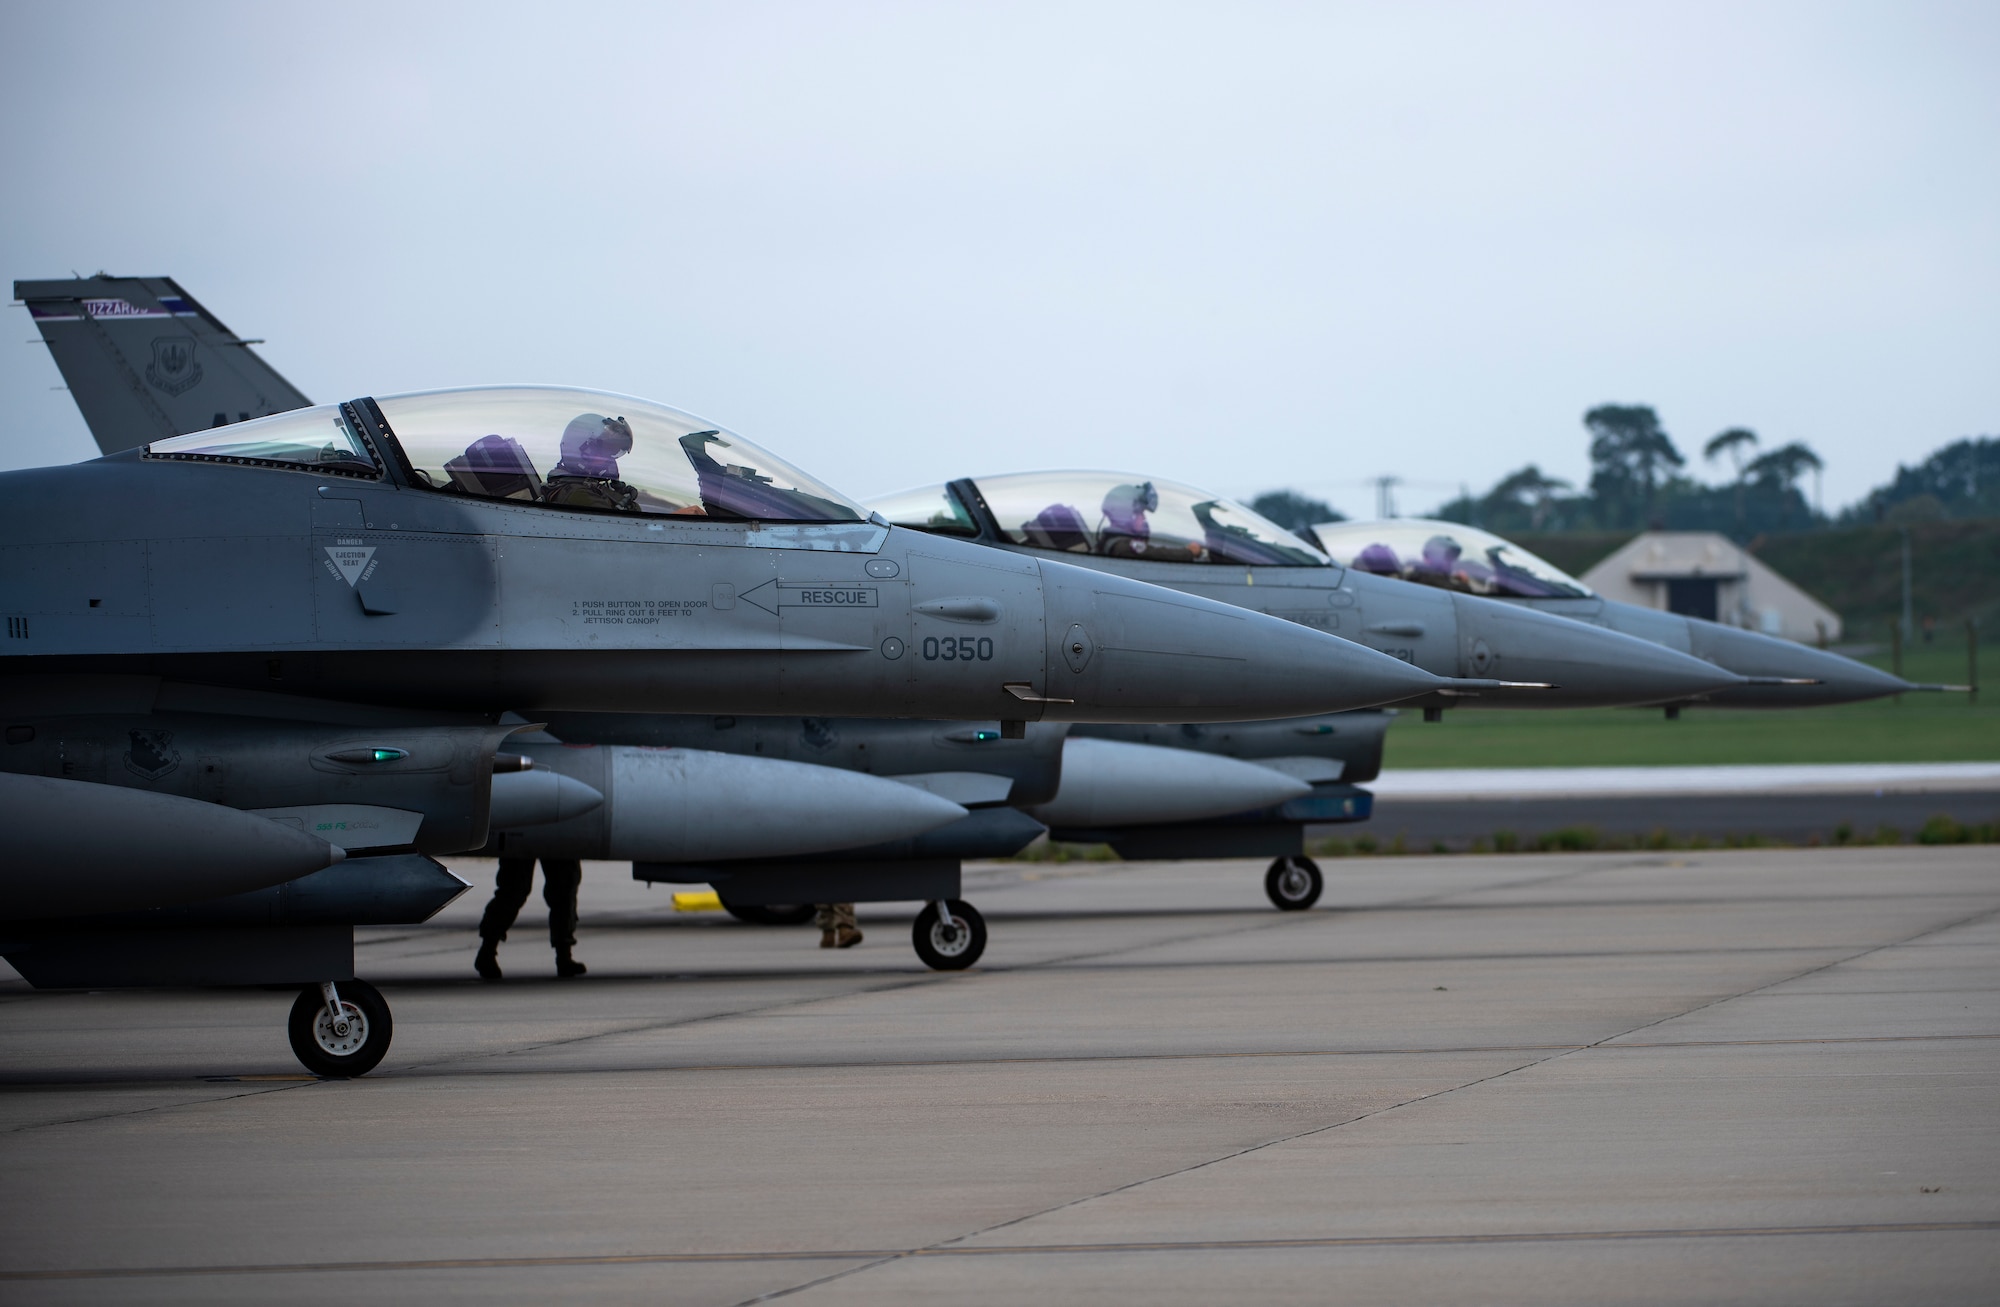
x: 144, y: 361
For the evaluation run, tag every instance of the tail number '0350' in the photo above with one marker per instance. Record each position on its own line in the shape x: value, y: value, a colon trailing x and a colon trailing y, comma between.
x: 963, y: 649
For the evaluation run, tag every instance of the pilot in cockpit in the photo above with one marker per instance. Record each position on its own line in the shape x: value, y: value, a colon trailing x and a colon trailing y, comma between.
x: 1379, y: 559
x: 1126, y: 532
x: 587, y: 476
x: 1443, y: 563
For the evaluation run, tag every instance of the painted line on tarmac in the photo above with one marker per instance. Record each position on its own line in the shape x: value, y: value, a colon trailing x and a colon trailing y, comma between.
x: 907, y: 1063
x: 1058, y: 1060
x: 1015, y: 1250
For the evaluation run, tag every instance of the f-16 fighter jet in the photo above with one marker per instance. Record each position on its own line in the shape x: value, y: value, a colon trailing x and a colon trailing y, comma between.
x: 1147, y: 528
x: 1454, y: 558
x: 335, y: 605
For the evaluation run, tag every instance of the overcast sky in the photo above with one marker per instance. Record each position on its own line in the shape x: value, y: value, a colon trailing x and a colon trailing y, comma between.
x: 1245, y: 246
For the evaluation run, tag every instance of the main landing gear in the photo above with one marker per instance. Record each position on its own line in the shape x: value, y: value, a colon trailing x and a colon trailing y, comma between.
x: 949, y: 935
x: 340, y: 1028
x: 1294, y: 883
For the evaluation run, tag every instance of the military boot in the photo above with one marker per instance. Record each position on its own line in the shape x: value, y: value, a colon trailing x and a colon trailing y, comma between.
x: 567, y: 966
x: 487, y: 963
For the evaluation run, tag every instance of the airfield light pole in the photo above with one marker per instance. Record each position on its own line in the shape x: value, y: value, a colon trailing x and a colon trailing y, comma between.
x: 1908, y: 625
x: 1385, y: 495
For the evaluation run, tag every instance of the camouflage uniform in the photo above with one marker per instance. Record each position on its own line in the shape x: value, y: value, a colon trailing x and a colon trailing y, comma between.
x: 836, y: 925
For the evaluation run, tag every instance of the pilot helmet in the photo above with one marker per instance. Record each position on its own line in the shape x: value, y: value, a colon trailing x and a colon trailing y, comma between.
x: 592, y: 444
x: 1441, y: 553
x: 1379, y: 559
x: 1125, y: 508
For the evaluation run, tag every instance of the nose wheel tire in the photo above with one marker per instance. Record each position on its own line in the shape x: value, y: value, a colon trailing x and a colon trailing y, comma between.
x: 951, y: 944
x: 350, y: 1043
x: 1294, y: 884
x: 770, y: 914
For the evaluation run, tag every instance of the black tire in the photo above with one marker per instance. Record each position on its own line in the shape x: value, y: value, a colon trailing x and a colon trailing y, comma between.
x: 771, y: 914
x: 952, y: 949
x: 1294, y: 884
x: 326, y: 1052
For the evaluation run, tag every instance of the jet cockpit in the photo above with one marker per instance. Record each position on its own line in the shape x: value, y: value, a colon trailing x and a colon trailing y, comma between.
x: 1449, y: 555
x: 1103, y: 514
x: 576, y: 449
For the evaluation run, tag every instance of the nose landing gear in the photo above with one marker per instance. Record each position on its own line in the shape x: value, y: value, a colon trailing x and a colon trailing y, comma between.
x: 1294, y: 883
x: 949, y: 935
x: 340, y: 1028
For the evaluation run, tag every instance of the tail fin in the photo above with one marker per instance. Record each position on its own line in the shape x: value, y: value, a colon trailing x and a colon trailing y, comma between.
x: 144, y: 361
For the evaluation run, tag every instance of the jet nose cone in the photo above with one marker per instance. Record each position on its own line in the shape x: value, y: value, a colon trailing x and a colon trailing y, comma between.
x: 1125, y: 651
x: 1112, y: 783
x: 1590, y: 666
x: 1768, y: 658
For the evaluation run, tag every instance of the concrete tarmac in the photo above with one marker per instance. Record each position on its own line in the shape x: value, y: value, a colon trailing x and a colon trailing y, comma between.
x: 1750, y: 1076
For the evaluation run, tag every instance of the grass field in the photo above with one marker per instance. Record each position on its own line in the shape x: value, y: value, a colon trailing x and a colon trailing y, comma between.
x: 1916, y: 728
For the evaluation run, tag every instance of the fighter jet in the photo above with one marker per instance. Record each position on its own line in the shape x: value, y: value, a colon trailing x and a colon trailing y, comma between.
x: 344, y: 599
x: 1453, y: 558
x: 1151, y: 529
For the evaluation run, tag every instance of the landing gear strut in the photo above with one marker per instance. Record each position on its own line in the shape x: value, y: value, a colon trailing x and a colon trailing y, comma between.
x: 340, y: 1028
x: 949, y: 935
x: 1294, y: 883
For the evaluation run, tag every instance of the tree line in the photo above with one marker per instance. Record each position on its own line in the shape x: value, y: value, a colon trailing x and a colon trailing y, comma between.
x: 1639, y: 480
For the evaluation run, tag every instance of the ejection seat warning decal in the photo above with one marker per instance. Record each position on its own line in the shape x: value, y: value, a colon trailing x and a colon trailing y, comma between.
x: 633, y: 612
x: 773, y: 595
x: 351, y: 562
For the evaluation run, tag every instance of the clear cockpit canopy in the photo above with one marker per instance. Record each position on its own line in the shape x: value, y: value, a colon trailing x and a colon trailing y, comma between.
x: 594, y: 450
x: 316, y: 438
x: 1113, y: 514
x: 1449, y: 555
x: 928, y: 508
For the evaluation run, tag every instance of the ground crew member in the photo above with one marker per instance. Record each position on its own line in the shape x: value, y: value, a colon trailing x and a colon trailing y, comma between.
x: 560, y: 878
x: 836, y: 925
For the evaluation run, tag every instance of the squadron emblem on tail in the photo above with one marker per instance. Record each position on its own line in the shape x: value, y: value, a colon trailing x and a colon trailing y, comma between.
x: 174, y: 368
